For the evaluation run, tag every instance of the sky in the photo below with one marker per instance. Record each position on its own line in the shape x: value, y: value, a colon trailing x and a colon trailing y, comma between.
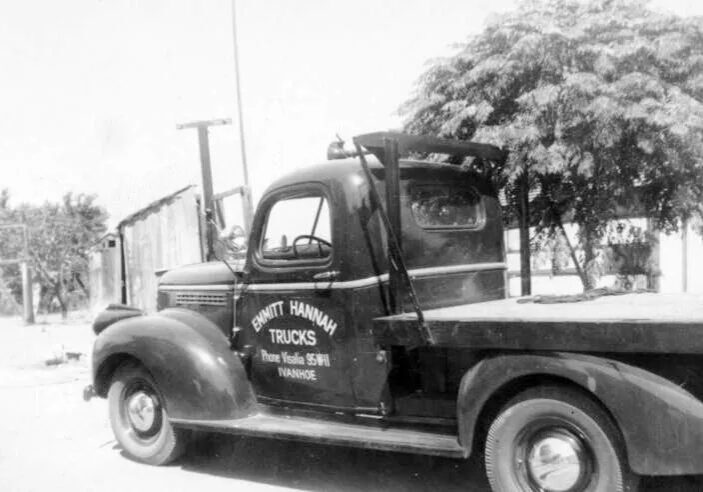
x: 92, y: 90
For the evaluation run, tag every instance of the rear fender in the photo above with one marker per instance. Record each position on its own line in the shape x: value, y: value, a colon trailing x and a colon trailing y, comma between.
x: 189, y: 357
x: 661, y: 423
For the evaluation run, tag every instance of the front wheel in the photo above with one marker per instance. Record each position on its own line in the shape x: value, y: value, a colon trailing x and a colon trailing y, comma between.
x: 554, y: 439
x: 139, y: 420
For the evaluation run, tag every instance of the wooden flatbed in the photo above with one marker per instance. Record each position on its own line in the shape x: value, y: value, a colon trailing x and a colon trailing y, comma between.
x: 647, y: 323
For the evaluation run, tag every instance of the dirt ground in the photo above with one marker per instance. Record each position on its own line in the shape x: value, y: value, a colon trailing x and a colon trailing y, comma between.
x: 50, y: 439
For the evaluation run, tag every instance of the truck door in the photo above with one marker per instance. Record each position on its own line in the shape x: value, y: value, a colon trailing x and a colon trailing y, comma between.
x: 293, y: 321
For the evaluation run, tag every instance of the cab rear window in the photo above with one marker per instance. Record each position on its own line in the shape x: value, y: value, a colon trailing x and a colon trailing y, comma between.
x: 446, y: 207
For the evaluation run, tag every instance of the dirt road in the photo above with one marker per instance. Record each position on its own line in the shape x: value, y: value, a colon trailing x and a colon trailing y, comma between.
x: 51, y: 440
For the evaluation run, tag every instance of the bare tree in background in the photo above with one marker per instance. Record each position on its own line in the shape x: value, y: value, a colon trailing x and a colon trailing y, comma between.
x: 60, y: 236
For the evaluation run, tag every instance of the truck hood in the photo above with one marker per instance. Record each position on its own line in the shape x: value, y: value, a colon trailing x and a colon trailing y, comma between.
x: 211, y: 273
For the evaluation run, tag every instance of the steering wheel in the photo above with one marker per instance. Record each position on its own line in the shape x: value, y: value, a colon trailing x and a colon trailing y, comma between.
x: 310, y: 238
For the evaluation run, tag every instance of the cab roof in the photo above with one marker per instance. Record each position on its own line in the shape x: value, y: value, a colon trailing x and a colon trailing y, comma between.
x: 340, y: 170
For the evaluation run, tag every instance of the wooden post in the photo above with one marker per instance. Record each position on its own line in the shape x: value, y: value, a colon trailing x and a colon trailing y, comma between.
x: 206, y: 172
x: 524, y: 219
x: 27, y: 302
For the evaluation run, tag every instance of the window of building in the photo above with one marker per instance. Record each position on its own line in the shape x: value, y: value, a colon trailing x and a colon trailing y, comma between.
x: 443, y: 207
x: 298, y: 229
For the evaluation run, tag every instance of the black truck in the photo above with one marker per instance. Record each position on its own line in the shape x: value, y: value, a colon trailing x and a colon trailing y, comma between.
x: 371, y: 311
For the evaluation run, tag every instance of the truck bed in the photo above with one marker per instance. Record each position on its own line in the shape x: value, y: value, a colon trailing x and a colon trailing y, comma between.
x: 647, y: 323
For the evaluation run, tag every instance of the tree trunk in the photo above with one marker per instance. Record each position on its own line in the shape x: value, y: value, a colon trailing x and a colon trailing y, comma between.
x: 43, y: 300
x: 589, y: 242
x: 524, y: 228
x: 572, y: 251
x: 80, y: 283
x: 59, y: 290
x: 62, y: 303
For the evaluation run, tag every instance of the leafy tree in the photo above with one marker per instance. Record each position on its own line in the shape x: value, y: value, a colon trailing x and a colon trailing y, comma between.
x: 4, y: 199
x: 10, y: 246
x: 599, y: 102
x: 60, y: 235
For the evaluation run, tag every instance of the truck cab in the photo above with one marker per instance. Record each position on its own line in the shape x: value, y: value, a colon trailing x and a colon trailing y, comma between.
x: 349, y: 323
x: 316, y: 275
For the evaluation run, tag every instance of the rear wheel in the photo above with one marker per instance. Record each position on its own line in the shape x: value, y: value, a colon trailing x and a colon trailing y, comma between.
x: 555, y: 439
x: 139, y: 419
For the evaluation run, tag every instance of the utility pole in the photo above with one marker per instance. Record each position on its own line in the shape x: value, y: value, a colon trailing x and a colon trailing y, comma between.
x: 206, y: 171
x: 247, y: 205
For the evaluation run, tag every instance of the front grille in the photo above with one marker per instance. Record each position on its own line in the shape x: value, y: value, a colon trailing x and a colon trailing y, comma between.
x: 201, y: 299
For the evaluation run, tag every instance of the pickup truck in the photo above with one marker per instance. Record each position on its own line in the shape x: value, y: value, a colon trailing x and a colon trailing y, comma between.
x: 371, y: 311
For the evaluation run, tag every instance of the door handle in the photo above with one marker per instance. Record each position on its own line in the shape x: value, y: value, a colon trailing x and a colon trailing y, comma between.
x: 328, y: 276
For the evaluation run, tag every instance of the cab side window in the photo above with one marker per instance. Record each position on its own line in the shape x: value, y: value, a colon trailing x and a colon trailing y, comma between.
x: 297, y: 229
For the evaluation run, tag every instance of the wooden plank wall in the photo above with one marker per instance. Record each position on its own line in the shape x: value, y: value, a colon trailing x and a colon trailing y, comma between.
x: 162, y: 238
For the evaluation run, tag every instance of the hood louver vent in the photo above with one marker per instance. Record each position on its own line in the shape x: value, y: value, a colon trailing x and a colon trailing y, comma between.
x: 201, y: 299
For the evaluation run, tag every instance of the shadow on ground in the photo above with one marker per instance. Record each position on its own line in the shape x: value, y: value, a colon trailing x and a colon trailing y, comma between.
x: 315, y: 467
x: 323, y: 468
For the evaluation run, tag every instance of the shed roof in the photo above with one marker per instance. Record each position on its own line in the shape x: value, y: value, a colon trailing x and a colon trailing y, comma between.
x: 152, y: 207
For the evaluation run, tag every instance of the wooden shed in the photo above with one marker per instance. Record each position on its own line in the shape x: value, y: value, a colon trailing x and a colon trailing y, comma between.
x: 125, y: 265
x: 163, y: 235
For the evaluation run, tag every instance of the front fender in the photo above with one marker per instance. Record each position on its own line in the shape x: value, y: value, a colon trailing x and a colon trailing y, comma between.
x: 112, y: 314
x: 189, y: 357
x: 661, y: 423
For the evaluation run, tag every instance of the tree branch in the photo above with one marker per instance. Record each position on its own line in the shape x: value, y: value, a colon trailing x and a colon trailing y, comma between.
x: 572, y: 251
x: 42, y: 270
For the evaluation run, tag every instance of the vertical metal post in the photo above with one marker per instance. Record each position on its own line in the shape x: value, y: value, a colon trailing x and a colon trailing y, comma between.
x: 123, y: 267
x: 248, y: 208
x: 392, y: 179
x: 524, y: 219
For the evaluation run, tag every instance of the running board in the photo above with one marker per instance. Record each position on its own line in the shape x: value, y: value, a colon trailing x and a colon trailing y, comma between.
x: 336, y: 433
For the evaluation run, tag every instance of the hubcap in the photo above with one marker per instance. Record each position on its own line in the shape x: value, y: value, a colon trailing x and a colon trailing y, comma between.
x: 557, y: 461
x: 141, y: 409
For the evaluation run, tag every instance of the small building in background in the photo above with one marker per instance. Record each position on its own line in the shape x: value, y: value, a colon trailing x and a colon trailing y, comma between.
x: 681, y: 260
x: 105, y: 272
x: 163, y: 235
x: 675, y: 262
